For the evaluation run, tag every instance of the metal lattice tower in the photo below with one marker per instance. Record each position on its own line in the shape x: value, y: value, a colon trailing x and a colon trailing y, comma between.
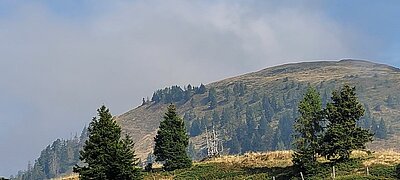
x: 214, y: 145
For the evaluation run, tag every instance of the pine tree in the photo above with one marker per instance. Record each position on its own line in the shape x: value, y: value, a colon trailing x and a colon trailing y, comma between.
x: 374, y: 126
x: 391, y: 101
x: 250, y: 120
x: 172, y: 141
x: 268, y: 110
x: 381, y: 131
x: 201, y: 90
x: 226, y: 116
x: 37, y: 172
x: 234, y: 145
x: 239, y: 89
x: 342, y: 135
x: 215, y: 118
x: 237, y: 105
x: 307, y: 128
x: 188, y: 93
x: 284, y: 131
x: 276, y: 140
x: 106, y: 154
x: 263, y: 123
x: 227, y: 93
x: 254, y: 97
x: 212, y: 98
x: 195, y: 129
x: 267, y: 137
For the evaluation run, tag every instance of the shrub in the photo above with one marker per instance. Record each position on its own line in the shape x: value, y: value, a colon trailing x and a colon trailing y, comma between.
x: 398, y: 171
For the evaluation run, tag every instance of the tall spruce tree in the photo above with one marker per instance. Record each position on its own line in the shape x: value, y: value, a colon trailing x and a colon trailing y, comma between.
x: 307, y: 129
x: 105, y: 153
x: 172, y: 141
x: 342, y: 135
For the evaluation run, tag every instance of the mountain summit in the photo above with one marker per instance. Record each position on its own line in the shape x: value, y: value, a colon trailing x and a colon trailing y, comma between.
x: 255, y: 111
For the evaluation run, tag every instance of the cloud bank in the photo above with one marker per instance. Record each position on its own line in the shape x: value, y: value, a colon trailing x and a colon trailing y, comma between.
x: 57, y: 69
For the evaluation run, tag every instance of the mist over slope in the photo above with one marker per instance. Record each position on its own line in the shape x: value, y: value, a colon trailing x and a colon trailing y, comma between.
x: 255, y: 111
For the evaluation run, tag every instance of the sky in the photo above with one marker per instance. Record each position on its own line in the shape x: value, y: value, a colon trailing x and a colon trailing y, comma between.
x: 61, y: 60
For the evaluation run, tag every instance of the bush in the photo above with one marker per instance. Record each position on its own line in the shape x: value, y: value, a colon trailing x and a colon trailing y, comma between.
x: 383, y: 171
x: 398, y: 171
x: 149, y: 167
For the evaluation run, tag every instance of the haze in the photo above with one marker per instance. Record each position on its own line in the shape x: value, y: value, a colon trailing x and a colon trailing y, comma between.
x: 61, y: 60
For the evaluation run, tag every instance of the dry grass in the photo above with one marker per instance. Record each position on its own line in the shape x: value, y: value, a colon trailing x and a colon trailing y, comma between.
x: 68, y: 177
x: 386, y: 157
x: 257, y: 159
x: 284, y: 158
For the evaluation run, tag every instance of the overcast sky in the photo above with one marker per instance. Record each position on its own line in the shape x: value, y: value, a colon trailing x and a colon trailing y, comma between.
x: 61, y: 60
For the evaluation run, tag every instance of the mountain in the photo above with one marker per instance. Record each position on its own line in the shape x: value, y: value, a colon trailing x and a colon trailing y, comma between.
x: 255, y: 111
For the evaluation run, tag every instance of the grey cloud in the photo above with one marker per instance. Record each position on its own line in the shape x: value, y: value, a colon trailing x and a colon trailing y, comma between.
x: 56, y: 71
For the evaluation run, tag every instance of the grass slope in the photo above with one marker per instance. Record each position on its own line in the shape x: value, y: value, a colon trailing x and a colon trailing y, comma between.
x: 278, y: 164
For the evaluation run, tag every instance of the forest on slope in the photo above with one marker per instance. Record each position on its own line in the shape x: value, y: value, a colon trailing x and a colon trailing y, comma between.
x: 55, y: 160
x: 255, y: 111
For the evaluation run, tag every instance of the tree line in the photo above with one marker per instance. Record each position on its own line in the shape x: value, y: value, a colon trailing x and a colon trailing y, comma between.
x: 176, y: 94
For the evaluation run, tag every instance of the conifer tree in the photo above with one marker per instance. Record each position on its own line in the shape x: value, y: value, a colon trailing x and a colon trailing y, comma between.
x: 172, y: 141
x: 234, y: 145
x: 342, y: 135
x: 212, y: 98
x: 268, y: 110
x: 202, y: 89
x: 307, y: 128
x: 381, y: 131
x: 254, y: 97
x: 263, y: 123
x: 226, y: 93
x: 226, y: 116
x: 105, y: 153
x: 195, y: 129
x: 215, y: 118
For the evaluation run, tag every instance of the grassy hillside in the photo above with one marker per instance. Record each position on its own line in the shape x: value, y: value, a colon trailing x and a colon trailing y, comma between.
x: 254, y: 112
x: 381, y: 165
x: 278, y: 164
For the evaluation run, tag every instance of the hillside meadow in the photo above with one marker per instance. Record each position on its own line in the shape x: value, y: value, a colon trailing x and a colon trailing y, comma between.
x: 278, y: 165
x: 381, y: 165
